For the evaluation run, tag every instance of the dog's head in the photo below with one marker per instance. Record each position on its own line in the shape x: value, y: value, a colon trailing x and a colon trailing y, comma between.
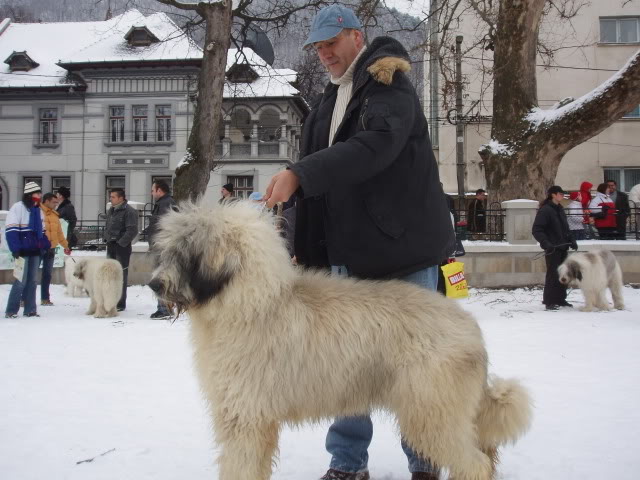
x: 199, y: 250
x: 80, y: 269
x: 570, y: 273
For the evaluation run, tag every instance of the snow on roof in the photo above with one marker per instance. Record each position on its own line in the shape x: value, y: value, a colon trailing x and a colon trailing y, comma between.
x: 271, y: 82
x: 80, y: 42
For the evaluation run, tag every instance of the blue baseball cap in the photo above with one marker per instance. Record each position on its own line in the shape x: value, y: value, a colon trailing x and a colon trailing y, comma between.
x: 329, y: 22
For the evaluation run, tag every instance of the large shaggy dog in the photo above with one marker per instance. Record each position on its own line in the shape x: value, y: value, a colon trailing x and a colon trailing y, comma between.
x: 275, y: 344
x: 593, y: 273
x: 102, y: 279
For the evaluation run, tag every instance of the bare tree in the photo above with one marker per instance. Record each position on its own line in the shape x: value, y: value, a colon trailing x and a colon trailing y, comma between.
x: 528, y: 143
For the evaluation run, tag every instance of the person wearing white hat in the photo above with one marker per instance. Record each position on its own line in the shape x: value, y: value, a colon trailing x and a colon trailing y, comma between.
x: 27, y: 240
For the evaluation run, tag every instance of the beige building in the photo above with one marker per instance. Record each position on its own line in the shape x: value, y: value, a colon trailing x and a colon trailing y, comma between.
x: 609, y: 35
x: 106, y: 104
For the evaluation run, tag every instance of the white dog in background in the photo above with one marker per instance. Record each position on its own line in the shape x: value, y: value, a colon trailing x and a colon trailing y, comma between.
x: 74, y: 284
x: 279, y: 345
x: 593, y: 273
x: 102, y: 279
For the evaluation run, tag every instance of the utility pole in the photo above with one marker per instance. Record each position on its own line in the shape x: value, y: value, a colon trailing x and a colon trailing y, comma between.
x: 459, y: 124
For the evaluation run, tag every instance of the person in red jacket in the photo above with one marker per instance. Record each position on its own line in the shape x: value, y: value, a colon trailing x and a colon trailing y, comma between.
x: 603, y: 210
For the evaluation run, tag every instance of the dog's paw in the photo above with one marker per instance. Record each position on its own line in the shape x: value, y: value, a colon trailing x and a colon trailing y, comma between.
x: 586, y: 309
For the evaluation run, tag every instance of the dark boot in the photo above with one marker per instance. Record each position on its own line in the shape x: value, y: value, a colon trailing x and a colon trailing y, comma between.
x: 338, y: 475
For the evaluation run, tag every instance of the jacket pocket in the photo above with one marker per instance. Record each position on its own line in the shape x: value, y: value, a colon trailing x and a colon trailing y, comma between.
x: 384, y: 218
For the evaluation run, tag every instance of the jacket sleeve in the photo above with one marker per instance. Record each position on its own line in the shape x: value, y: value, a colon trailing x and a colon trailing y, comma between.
x: 63, y: 241
x: 131, y: 227
x: 12, y: 231
x: 538, y: 229
x: 386, y: 115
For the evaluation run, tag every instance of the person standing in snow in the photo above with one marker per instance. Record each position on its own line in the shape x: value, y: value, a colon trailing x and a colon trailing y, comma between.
x: 163, y: 204
x: 476, y: 216
x: 621, y: 202
x: 26, y: 240
x: 369, y: 203
x: 120, y: 230
x: 575, y: 216
x: 54, y: 233
x: 67, y: 212
x: 603, y: 210
x: 551, y: 230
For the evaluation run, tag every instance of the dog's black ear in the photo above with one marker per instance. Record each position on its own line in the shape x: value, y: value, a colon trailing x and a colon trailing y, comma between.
x: 574, y: 271
x: 206, y: 283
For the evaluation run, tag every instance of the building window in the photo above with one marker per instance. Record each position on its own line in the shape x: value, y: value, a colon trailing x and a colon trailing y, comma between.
x: 113, y: 182
x: 116, y: 123
x: 242, y: 185
x: 48, y: 126
x: 620, y: 30
x: 140, y: 123
x: 163, y: 123
x: 26, y: 180
x: 635, y: 113
x: 626, y: 178
x: 57, y: 182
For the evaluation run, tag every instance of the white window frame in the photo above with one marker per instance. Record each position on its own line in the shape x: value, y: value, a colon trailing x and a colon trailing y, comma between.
x: 163, y: 124
x: 242, y: 185
x: 620, y: 180
x: 116, y: 124
x: 58, y: 181
x: 48, y: 126
x: 618, y: 30
x: 140, y: 123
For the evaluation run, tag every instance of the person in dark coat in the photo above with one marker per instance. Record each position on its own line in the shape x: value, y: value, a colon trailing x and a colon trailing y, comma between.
x: 623, y: 210
x: 476, y: 216
x: 67, y: 212
x: 164, y: 203
x: 551, y: 230
x: 120, y: 230
x: 370, y: 203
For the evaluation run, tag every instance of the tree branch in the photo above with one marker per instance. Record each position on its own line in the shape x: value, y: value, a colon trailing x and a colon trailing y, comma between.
x: 180, y: 5
x: 590, y: 114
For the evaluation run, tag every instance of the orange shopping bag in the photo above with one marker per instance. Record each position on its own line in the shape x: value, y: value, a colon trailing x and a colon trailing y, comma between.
x: 454, y: 280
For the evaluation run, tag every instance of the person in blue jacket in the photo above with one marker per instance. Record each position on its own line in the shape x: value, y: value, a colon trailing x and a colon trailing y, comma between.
x: 26, y: 239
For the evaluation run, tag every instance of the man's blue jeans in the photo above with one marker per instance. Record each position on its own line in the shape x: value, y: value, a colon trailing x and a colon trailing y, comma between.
x: 47, y: 270
x: 24, y: 289
x: 349, y: 437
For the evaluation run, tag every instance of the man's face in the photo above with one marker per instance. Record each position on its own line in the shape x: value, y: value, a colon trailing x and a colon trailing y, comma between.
x: 557, y: 197
x: 481, y: 196
x: 225, y: 192
x: 115, y: 199
x: 338, y: 53
x: 611, y: 187
x: 51, y: 203
x: 156, y: 193
x: 59, y: 197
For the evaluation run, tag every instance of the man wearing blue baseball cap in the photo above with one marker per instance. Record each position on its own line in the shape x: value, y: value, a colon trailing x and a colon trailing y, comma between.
x: 370, y: 204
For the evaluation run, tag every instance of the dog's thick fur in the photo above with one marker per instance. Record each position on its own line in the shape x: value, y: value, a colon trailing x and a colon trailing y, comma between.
x: 275, y: 344
x: 593, y: 273
x: 74, y: 284
x: 102, y: 279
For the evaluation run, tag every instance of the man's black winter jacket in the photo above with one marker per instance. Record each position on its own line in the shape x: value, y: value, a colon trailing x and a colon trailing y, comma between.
x: 372, y: 200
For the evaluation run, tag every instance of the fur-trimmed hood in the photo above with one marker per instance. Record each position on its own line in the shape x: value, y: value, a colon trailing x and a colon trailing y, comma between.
x: 381, y: 60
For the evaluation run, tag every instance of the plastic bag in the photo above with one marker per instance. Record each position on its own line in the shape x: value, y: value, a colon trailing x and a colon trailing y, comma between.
x: 455, y: 281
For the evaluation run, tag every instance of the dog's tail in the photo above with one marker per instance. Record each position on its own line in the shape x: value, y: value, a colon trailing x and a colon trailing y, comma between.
x: 505, y: 413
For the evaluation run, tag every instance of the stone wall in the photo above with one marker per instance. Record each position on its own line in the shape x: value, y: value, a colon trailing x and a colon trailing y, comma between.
x: 487, y: 264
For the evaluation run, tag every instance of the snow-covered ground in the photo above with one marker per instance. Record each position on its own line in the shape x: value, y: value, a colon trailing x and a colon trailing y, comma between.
x: 116, y: 399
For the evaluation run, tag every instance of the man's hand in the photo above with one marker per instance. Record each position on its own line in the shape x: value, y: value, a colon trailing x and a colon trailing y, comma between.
x: 67, y: 251
x: 281, y: 187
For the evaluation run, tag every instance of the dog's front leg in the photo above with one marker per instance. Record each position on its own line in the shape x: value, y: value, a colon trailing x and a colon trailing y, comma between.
x: 247, y: 451
x: 92, y: 307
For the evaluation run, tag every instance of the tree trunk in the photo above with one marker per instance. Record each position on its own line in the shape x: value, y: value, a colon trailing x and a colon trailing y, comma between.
x: 193, y: 174
x: 528, y: 144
